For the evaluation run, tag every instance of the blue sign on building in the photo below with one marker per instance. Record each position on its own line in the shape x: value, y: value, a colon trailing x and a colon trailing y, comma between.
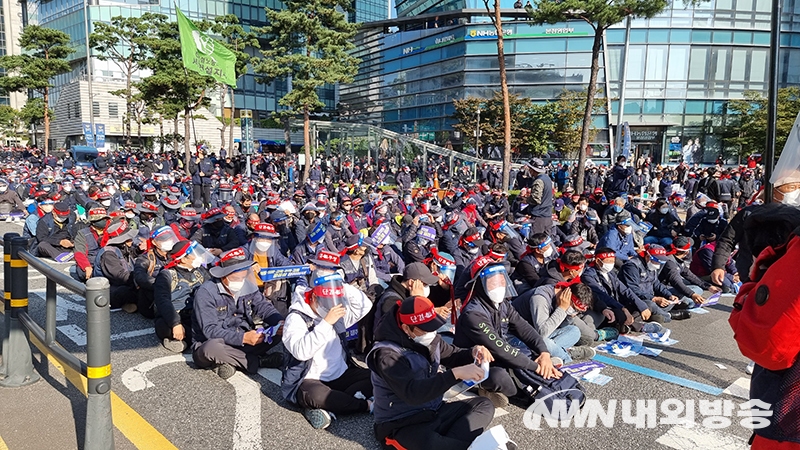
x: 100, y: 132
x: 87, y: 133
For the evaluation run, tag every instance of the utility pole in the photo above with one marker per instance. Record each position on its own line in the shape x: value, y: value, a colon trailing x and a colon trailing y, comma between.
x: 88, y: 69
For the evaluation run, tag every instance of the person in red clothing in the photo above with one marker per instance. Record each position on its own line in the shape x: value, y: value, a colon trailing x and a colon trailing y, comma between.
x: 87, y: 243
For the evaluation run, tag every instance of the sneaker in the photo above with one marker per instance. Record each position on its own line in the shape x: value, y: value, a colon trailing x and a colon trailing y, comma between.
x: 318, y: 418
x: 129, y: 308
x: 582, y: 352
x: 750, y: 368
x: 607, y: 334
x: 272, y: 360
x: 499, y: 400
x: 225, y: 371
x: 624, y: 329
x: 557, y: 362
x: 174, y: 345
x: 652, y: 327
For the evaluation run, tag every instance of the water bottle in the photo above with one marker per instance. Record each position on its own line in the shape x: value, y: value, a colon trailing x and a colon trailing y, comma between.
x: 466, y: 385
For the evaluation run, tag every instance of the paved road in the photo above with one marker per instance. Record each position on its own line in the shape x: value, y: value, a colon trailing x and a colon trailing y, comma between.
x: 194, y: 408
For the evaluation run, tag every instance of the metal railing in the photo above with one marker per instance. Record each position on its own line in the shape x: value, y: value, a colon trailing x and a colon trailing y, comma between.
x: 17, y: 368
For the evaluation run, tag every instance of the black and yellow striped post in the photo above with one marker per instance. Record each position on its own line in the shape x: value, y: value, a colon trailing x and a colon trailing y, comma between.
x: 19, y: 364
x: 99, y: 425
x: 6, y: 295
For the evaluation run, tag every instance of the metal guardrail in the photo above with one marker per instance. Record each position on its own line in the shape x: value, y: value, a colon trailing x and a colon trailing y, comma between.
x: 17, y: 369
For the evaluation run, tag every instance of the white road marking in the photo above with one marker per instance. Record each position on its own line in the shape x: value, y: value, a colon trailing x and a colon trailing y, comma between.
x: 498, y: 412
x: 247, y: 424
x: 273, y: 375
x: 682, y: 438
x: 133, y: 333
x: 740, y: 388
x: 74, y: 333
x: 135, y: 378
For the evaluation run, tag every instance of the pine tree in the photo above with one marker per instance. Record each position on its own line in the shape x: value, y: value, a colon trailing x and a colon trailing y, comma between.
x: 44, y: 56
x: 309, y: 42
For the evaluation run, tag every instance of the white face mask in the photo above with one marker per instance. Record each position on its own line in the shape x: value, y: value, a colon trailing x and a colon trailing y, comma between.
x: 583, y: 207
x: 606, y: 267
x: 654, y: 266
x: 792, y: 198
x: 3, y: 188
x: 426, y: 291
x: 67, y: 188
x: 167, y: 245
x: 112, y: 191
x: 46, y: 208
x: 473, y: 250
x: 263, y: 246
x: 713, y: 220
x: 627, y: 230
x: 497, y: 295
x: 233, y: 286
x: 549, y: 252
x: 130, y: 215
x: 196, y: 263
x: 60, y: 219
x: 106, y: 203
x: 663, y: 210
x: 426, y: 339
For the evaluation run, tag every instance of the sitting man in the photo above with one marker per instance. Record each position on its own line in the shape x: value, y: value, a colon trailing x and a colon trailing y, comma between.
x: 541, y: 251
x: 228, y: 310
x: 680, y: 279
x: 55, y: 232
x: 320, y: 375
x: 409, y: 385
x: 489, y: 319
x: 601, y: 277
x: 173, y: 293
x: 640, y: 274
x: 620, y: 238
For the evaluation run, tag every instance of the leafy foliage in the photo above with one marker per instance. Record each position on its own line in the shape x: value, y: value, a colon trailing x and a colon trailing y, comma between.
x: 745, y: 131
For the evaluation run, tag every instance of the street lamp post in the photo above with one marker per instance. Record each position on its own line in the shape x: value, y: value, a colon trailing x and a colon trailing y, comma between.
x: 89, y: 69
x: 478, y: 135
x: 772, y: 100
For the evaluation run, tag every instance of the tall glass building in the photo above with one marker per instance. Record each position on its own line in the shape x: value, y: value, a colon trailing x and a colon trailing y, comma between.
x: 68, y: 16
x: 682, y: 67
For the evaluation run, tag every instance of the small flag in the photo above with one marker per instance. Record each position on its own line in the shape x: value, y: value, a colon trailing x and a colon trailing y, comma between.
x: 205, y: 55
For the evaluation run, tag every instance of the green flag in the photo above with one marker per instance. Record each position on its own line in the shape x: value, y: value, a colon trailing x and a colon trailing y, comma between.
x: 205, y: 55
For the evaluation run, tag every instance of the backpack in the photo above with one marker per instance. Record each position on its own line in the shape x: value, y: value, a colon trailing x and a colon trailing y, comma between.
x: 766, y: 313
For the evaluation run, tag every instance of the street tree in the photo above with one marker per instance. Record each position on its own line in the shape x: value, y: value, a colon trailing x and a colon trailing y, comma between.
x: 236, y: 39
x: 171, y: 89
x: 309, y: 42
x: 600, y: 15
x: 44, y: 56
x: 123, y: 41
x: 746, y: 121
x: 11, y: 125
x: 494, y: 15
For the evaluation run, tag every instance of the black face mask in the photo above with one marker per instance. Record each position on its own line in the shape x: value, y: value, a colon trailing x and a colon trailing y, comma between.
x: 100, y: 224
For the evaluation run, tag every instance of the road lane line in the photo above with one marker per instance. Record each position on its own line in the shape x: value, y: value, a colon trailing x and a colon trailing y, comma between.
x: 662, y: 376
x: 740, y: 388
x: 247, y: 426
x: 682, y: 438
x: 132, y: 425
x: 3, y: 445
x: 135, y: 378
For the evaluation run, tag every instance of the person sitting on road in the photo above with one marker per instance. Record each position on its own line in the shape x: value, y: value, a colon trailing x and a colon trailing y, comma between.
x: 489, y: 319
x: 55, y: 232
x: 640, y: 274
x: 541, y: 251
x: 228, y: 311
x: 601, y: 277
x: 620, y: 238
x: 114, y: 262
x: 680, y: 279
x: 320, y: 375
x: 87, y: 243
x: 216, y: 235
x: 147, y: 265
x: 409, y: 385
x: 173, y: 293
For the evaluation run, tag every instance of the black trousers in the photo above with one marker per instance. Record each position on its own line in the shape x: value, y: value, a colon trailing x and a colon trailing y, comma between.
x: 144, y: 304
x: 542, y: 225
x: 213, y: 352
x: 453, y: 427
x: 336, y: 395
x: 197, y: 195
x: 164, y: 330
x: 49, y: 250
x: 121, y: 295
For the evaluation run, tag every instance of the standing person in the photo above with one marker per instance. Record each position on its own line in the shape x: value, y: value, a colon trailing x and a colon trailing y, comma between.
x: 201, y: 169
x: 408, y: 385
x: 541, y: 209
x: 619, y: 178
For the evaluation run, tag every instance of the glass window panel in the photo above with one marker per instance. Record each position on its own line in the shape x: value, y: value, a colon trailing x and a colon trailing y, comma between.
x: 742, y: 37
x: 638, y: 36
x: 763, y: 6
x: 701, y: 37
x: 615, y: 36
x: 653, y: 106
x: 614, y: 61
x: 541, y: 60
x: 635, y: 62
x: 695, y: 106
x: 658, y: 36
x: 721, y: 73
x: 656, y: 62
x: 724, y: 4
x: 681, y: 36
x: 758, y: 66
x: 579, y: 59
x: 760, y: 38
x: 674, y: 106
x: 723, y: 37
x: 579, y: 44
x: 633, y: 107
x: 697, y: 64
x: 678, y: 63
x: 738, y: 65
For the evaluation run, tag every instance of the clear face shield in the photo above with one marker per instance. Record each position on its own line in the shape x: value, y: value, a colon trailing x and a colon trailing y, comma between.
x: 198, y: 256
x: 497, y: 284
x: 507, y: 229
x: 448, y: 271
x: 164, y: 238
x: 329, y: 292
x: 264, y: 245
x: 242, y: 282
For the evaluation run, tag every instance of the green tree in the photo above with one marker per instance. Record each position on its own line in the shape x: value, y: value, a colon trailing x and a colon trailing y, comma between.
x: 44, y: 53
x: 745, y: 132
x: 600, y: 15
x: 568, y: 133
x: 123, y: 41
x: 236, y: 39
x: 309, y: 43
x: 11, y: 125
x: 171, y: 89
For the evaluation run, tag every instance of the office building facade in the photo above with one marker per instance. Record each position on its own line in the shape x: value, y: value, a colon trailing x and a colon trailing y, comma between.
x: 682, y: 68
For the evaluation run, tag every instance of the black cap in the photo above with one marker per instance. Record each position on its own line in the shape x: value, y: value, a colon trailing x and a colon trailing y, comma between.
x: 419, y: 271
